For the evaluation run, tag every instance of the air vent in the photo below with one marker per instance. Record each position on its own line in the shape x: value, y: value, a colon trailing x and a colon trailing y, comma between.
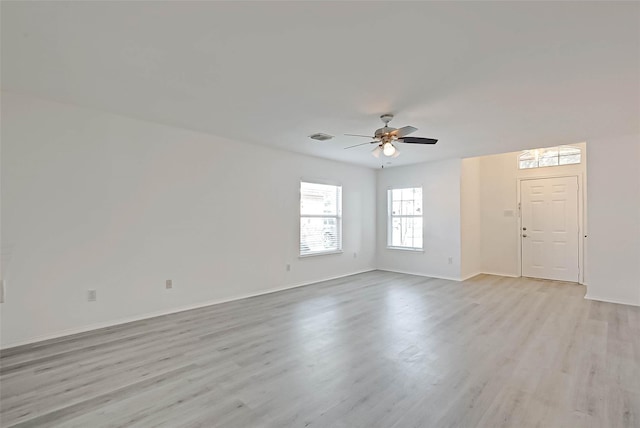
x: 321, y: 137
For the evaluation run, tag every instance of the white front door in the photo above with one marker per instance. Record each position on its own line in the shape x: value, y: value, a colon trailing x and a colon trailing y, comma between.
x: 549, y: 228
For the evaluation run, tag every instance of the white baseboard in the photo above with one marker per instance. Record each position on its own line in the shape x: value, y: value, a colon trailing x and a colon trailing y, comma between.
x: 97, y: 326
x: 508, y: 275
x: 420, y: 274
x: 450, y: 278
x: 619, y: 302
x: 471, y: 276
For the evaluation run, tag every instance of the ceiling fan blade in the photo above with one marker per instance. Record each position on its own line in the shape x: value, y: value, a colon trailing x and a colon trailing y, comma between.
x: 405, y: 130
x: 358, y: 135
x: 376, y: 152
x: 417, y: 140
x: 361, y: 144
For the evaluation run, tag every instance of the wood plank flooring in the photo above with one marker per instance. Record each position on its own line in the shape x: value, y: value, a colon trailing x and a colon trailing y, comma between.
x: 377, y: 349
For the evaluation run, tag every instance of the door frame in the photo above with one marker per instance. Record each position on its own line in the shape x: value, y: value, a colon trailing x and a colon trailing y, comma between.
x: 582, y: 233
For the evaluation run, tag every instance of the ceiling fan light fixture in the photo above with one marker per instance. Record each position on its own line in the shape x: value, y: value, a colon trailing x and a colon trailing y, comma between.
x: 388, y: 149
x: 376, y: 152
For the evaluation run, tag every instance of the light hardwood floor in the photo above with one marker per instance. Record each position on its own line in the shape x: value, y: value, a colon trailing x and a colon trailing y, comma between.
x: 378, y: 349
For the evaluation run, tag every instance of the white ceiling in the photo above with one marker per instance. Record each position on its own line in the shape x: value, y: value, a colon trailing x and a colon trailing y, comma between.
x: 482, y: 77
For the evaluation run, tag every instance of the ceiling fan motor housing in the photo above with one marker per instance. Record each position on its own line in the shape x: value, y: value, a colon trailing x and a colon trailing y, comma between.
x: 380, y: 133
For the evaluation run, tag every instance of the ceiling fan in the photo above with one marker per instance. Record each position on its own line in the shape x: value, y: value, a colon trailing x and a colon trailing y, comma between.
x: 386, y: 138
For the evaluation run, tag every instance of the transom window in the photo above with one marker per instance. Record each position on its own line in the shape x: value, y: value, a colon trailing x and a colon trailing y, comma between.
x: 320, y: 218
x: 553, y: 156
x: 405, y: 218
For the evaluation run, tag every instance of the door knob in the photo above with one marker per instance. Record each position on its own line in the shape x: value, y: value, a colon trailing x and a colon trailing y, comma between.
x: 524, y: 228
x: 524, y: 235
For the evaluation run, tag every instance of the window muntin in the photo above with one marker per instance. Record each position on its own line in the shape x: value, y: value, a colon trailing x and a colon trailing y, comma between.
x: 320, y: 218
x: 553, y: 156
x: 405, y: 218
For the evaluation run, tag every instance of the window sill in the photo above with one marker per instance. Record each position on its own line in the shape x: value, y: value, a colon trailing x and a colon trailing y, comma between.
x: 323, y: 253
x: 412, y: 250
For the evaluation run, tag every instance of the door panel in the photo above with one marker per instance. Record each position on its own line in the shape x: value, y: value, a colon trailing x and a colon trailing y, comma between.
x: 559, y: 215
x: 550, y: 232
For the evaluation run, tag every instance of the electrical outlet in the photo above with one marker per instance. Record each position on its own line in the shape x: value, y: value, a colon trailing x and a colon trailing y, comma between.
x: 288, y: 267
x: 168, y: 284
x: 450, y: 260
x: 91, y: 295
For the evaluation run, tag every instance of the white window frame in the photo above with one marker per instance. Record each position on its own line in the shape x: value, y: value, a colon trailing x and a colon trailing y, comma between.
x: 391, y: 216
x: 337, y: 217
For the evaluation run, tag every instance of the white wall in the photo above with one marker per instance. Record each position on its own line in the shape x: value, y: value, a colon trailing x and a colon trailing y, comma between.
x: 470, y: 218
x: 440, y: 183
x: 499, y: 176
x: 613, y: 243
x: 92, y: 200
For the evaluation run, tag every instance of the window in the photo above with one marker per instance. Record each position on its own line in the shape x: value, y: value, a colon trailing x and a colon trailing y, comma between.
x: 320, y: 219
x: 405, y: 218
x: 553, y: 156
